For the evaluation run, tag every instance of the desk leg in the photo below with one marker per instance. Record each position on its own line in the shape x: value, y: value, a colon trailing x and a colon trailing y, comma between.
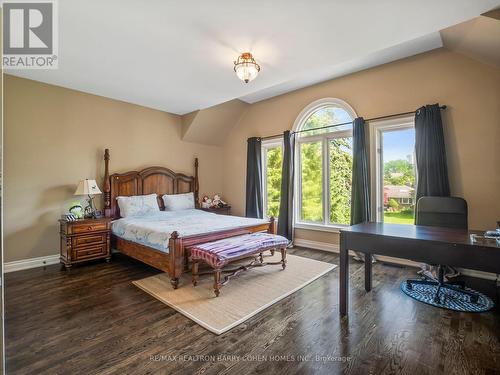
x: 344, y: 277
x: 368, y: 272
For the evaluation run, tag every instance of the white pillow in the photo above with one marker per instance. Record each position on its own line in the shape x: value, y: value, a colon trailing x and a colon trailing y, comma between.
x: 138, y: 205
x: 176, y: 202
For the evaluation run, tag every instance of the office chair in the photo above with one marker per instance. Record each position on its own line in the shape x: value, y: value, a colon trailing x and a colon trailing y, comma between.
x: 442, y: 212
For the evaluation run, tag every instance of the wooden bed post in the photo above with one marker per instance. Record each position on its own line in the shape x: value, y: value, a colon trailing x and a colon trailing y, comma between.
x: 273, y: 226
x: 196, y: 184
x: 107, y: 186
x: 176, y: 254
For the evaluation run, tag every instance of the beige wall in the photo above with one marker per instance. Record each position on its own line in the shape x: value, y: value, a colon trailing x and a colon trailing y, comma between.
x: 55, y: 137
x: 472, y: 123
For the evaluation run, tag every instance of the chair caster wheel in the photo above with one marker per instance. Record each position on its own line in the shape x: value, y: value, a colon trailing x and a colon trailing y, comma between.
x: 474, y: 299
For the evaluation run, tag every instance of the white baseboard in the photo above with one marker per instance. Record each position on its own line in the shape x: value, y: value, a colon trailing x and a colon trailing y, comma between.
x: 478, y: 274
x: 334, y: 248
x: 25, y: 264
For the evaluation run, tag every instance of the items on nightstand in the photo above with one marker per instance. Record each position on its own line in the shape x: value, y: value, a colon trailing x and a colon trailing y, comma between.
x: 215, y: 205
x: 76, y: 210
x: 90, y: 188
x: 215, y: 202
x: 83, y: 240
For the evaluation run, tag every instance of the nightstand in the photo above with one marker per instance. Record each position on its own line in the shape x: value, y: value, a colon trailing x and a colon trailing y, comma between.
x: 84, y: 240
x: 226, y: 210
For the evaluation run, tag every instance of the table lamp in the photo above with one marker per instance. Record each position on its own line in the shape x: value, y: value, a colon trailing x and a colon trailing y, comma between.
x: 90, y: 188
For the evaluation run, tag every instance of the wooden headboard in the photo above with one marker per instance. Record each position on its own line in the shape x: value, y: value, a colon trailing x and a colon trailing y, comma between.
x: 151, y: 180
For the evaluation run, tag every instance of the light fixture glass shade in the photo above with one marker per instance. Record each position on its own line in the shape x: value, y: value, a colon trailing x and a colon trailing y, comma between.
x: 87, y: 187
x: 246, y: 68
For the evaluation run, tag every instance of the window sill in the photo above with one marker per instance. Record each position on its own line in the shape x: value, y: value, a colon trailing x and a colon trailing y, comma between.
x: 320, y: 227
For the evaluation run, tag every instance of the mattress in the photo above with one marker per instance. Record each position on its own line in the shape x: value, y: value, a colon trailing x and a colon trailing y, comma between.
x: 154, y: 230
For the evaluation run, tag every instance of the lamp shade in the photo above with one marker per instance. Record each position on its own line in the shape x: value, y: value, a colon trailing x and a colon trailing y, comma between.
x: 87, y: 187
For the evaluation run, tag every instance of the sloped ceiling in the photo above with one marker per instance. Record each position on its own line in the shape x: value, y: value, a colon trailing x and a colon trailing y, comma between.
x: 212, y: 125
x: 493, y: 14
x: 478, y: 38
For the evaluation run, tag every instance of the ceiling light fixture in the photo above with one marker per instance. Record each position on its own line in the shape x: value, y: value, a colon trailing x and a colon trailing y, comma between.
x: 246, y: 68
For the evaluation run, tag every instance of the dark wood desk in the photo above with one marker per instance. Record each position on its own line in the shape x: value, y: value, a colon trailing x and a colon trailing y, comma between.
x: 432, y: 245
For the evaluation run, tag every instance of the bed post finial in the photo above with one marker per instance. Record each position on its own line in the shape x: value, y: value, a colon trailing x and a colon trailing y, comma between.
x: 196, y: 184
x: 107, y: 186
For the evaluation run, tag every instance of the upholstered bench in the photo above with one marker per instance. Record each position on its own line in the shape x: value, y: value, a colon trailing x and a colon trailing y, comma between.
x: 220, y: 253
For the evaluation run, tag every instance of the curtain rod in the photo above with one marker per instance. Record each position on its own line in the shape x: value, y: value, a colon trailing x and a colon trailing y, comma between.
x: 348, y: 123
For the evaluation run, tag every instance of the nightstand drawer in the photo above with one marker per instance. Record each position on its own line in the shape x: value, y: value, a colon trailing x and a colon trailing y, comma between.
x: 89, y: 252
x: 85, y: 228
x: 84, y: 239
x: 91, y: 239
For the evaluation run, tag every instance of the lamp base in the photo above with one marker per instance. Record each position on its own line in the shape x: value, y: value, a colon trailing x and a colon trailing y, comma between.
x: 90, y: 212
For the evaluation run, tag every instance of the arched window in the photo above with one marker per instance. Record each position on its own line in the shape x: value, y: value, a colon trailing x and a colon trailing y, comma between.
x: 324, y: 164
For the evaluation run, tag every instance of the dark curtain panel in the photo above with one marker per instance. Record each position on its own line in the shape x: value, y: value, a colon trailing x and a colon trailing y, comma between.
x: 360, y: 194
x: 254, y: 179
x: 285, y: 219
x: 430, y: 153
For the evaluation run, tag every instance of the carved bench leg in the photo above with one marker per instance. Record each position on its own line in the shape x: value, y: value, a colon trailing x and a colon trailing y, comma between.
x: 175, y: 282
x: 194, y: 272
x: 217, y: 283
x: 283, y: 257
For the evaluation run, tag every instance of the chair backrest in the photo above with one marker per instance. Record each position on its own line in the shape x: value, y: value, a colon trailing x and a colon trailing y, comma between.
x: 448, y: 212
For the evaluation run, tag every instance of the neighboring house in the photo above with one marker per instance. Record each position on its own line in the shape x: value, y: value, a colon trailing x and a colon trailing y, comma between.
x: 402, y: 194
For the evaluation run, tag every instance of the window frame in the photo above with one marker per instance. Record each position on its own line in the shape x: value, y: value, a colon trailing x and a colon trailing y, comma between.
x: 376, y: 128
x: 324, y: 138
x: 266, y: 145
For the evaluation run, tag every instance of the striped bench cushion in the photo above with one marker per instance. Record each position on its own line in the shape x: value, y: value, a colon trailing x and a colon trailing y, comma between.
x: 221, y: 252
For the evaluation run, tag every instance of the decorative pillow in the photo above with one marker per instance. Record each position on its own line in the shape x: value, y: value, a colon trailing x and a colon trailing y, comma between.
x: 176, y: 202
x: 138, y: 205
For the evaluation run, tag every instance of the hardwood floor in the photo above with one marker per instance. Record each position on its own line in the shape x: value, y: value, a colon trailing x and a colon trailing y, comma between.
x: 92, y: 320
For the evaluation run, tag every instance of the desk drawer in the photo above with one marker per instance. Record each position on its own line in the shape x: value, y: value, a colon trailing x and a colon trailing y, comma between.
x: 88, y: 240
x: 89, y: 252
x: 87, y: 228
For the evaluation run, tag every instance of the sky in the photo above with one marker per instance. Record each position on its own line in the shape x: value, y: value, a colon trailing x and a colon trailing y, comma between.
x: 398, y: 144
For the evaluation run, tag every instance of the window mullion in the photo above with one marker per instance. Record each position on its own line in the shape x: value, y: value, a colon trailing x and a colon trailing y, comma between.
x: 298, y: 173
x: 264, y: 180
x: 326, y: 183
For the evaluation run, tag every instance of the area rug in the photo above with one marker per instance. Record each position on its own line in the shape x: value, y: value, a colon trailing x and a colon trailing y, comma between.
x: 449, y: 299
x: 243, y: 297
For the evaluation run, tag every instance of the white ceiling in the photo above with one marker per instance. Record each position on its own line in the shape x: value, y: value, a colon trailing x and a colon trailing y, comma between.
x: 177, y: 56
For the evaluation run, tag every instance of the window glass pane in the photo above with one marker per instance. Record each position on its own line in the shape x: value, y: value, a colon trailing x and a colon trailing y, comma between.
x: 273, y: 181
x: 324, y: 117
x: 398, y: 176
x: 340, y: 154
x: 311, y: 182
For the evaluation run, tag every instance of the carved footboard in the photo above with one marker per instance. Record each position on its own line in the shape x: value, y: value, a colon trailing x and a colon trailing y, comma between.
x: 179, y: 246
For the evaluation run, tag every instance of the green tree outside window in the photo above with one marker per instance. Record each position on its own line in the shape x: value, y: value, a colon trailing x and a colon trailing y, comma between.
x: 311, y: 181
x: 274, y: 160
x: 340, y: 180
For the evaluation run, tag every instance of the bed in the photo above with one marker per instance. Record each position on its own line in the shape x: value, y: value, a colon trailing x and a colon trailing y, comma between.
x: 162, y: 240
